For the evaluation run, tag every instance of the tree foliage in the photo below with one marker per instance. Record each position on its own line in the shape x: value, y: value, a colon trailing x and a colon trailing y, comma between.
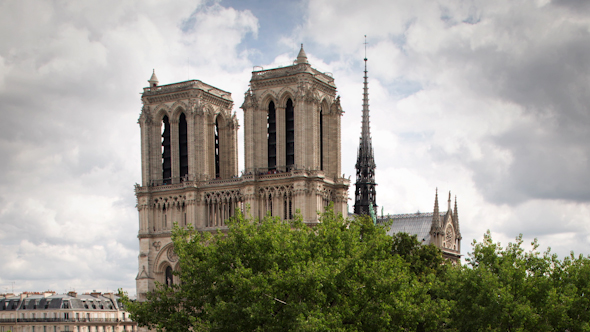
x: 514, y: 290
x: 274, y: 275
x: 349, y: 275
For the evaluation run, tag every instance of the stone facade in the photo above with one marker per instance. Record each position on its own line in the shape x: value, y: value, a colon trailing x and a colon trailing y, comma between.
x: 189, y: 158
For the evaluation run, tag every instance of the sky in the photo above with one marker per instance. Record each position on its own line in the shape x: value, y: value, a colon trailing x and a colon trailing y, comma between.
x: 486, y: 99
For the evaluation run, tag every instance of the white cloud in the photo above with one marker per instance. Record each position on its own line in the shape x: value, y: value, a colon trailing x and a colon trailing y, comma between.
x: 71, y: 73
x: 486, y: 99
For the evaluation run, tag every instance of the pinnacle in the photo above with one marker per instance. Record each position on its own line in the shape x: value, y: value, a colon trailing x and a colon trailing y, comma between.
x: 154, y: 79
x: 301, y: 57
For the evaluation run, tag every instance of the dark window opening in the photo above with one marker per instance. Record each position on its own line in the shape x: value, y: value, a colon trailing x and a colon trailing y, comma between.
x: 285, y: 206
x: 321, y: 139
x: 183, y: 147
x: 270, y: 203
x: 271, y: 136
x: 217, y: 175
x: 166, y: 155
x: 290, y: 133
x: 169, y: 278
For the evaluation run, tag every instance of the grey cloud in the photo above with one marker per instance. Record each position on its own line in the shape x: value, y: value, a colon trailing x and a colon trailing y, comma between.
x: 546, y: 76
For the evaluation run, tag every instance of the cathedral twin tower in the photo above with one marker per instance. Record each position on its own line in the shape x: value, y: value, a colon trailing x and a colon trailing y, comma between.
x: 190, y: 157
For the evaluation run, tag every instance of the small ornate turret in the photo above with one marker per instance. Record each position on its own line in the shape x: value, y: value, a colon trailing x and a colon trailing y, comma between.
x: 301, y: 57
x: 154, y: 79
x: 365, y: 193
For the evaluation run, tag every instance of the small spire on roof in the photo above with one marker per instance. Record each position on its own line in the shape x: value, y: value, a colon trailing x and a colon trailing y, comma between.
x: 436, y: 214
x: 301, y: 57
x: 154, y: 79
x: 449, y: 209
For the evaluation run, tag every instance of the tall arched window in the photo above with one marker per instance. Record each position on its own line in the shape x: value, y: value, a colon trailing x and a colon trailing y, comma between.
x: 166, y: 155
x: 290, y: 133
x: 183, y: 146
x: 321, y: 139
x: 271, y: 136
x: 217, y: 173
x: 169, y: 278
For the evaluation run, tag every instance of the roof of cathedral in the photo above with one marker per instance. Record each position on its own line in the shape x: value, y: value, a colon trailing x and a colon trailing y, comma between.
x: 418, y: 224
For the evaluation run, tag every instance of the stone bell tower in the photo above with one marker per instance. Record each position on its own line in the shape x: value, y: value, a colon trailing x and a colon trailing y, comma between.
x: 292, y: 136
x: 189, y: 158
x: 188, y: 138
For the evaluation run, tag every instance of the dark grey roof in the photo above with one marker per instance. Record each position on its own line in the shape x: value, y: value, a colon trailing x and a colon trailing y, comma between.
x: 59, y: 301
x: 418, y: 224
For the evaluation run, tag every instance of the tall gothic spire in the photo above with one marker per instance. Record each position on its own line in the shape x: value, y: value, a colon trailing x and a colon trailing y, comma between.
x: 365, y: 163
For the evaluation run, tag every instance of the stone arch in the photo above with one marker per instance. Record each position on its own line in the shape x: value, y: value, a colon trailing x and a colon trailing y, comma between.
x: 266, y: 97
x: 178, y: 108
x: 324, y: 106
x: 208, y: 110
x: 221, y: 117
x: 161, y: 111
x: 161, y: 260
x: 284, y: 95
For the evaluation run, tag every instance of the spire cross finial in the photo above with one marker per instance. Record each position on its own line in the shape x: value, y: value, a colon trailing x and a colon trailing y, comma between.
x: 365, y: 47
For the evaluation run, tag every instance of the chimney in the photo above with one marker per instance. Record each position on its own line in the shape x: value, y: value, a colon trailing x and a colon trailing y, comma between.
x: 95, y: 293
x: 72, y: 293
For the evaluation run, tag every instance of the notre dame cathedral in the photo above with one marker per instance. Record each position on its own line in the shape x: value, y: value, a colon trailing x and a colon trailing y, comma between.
x: 292, y: 157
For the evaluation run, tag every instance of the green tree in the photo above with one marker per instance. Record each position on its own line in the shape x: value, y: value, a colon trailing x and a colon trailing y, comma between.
x: 514, y: 290
x: 273, y: 275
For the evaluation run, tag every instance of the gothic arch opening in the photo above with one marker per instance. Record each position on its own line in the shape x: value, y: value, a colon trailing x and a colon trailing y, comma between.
x: 216, y: 133
x: 271, y: 136
x: 290, y: 134
x: 166, y: 153
x: 183, y: 146
x: 321, y: 138
x: 169, y: 276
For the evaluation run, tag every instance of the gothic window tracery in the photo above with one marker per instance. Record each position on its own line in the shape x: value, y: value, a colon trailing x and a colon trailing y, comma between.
x: 221, y: 206
x: 449, y: 237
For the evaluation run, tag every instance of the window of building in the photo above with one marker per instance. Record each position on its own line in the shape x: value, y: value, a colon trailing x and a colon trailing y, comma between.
x: 321, y: 139
x: 217, y: 173
x: 183, y: 146
x: 271, y: 136
x: 169, y: 277
x: 166, y: 154
x: 290, y: 134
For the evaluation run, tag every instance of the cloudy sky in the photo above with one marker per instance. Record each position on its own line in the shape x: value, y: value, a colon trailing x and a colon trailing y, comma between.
x: 488, y: 99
